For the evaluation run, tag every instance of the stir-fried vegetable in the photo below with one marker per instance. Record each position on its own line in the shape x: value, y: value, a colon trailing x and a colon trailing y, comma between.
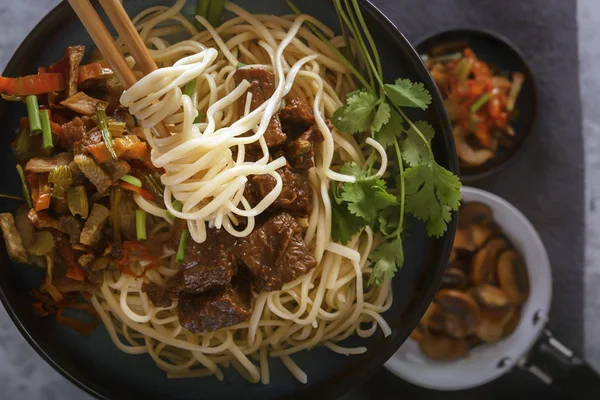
x: 62, y: 178
x: 182, y: 246
x: 140, y: 224
x: 44, y: 193
x: 106, y: 135
x: 132, y: 180
x: 138, y: 190
x: 43, y: 244
x: 77, y: 201
x: 33, y: 111
x: 33, y: 84
x: 24, y: 186
x: 115, y: 220
x: 46, y: 129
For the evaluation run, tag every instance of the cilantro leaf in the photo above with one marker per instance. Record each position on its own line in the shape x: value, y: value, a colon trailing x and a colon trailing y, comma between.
x: 414, y: 150
x: 392, y: 129
x: 388, y: 257
x: 344, y: 225
x: 432, y: 192
x: 404, y: 93
x: 358, y: 113
x: 382, y: 116
x: 389, y: 220
x: 367, y: 198
x: 355, y: 170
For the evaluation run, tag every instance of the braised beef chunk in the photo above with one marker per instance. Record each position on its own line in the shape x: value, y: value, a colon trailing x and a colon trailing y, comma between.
x: 300, y: 152
x: 159, y: 295
x: 211, y: 312
x: 295, y: 195
x: 275, y: 253
x: 73, y: 131
x: 297, y: 115
x: 262, y: 87
x: 207, y: 266
x: 200, y: 279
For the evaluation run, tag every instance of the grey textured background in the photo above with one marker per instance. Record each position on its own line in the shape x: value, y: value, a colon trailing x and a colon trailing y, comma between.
x: 23, y: 375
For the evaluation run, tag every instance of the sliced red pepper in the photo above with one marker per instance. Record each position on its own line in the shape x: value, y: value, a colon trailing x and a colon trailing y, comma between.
x: 134, y: 252
x: 141, y: 191
x: 33, y: 84
x: 44, y: 193
x: 100, y: 152
x: 66, y: 253
x: 58, y: 66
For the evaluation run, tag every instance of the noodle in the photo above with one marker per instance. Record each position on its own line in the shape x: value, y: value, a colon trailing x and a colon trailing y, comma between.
x: 322, y: 307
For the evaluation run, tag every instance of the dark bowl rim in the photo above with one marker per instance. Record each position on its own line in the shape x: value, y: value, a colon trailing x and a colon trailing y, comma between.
x: 436, y: 259
x: 533, y: 121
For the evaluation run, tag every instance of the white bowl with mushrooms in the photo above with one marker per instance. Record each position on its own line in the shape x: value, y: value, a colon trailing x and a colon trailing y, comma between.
x: 492, y: 305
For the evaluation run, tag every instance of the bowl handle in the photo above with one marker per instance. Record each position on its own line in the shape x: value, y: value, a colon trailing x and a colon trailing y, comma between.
x: 556, y: 365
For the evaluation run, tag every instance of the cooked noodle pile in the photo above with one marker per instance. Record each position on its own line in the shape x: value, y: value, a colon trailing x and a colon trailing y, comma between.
x: 322, y: 307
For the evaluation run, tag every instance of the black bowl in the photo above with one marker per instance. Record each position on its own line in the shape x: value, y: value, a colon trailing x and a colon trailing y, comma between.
x: 95, y: 365
x: 499, y: 52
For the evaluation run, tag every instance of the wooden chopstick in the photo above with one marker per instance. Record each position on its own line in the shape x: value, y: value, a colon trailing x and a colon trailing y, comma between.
x: 127, y: 32
x: 107, y: 46
x: 104, y: 41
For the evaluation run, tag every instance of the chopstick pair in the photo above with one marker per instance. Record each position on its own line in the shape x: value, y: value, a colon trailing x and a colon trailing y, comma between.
x: 107, y: 46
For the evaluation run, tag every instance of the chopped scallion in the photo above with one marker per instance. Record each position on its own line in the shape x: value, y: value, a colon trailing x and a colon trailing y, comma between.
x: 140, y: 224
x: 215, y: 11
x: 46, y: 131
x: 202, y: 9
x: 189, y: 88
x: 182, y: 245
x: 199, y: 118
x: 33, y: 112
x: 480, y: 102
x: 177, y: 205
x: 24, y: 186
x: 240, y: 65
x: 132, y: 180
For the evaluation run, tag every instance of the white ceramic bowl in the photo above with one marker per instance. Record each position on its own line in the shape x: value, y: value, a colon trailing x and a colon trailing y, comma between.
x: 488, y: 362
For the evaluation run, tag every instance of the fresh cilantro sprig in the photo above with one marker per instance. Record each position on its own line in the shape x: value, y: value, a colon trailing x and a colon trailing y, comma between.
x: 422, y: 187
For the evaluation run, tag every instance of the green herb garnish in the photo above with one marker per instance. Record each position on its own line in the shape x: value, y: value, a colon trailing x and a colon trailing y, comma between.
x: 423, y: 188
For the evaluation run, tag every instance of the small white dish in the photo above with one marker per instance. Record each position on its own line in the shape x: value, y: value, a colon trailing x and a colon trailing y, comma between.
x: 488, y: 362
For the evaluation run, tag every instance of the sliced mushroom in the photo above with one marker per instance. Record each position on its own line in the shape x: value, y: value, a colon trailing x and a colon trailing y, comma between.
x: 474, y: 213
x: 480, y: 234
x: 496, y: 310
x: 512, y: 323
x: 441, y: 347
x: 453, y: 256
x: 461, y: 265
x: 454, y: 278
x: 418, y: 334
x: 461, y: 312
x: 474, y: 341
x: 433, y: 318
x: 513, y: 277
x: 483, y: 266
x: 463, y: 240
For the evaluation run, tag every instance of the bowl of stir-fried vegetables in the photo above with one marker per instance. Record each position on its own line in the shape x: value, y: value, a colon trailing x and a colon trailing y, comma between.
x: 489, y: 92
